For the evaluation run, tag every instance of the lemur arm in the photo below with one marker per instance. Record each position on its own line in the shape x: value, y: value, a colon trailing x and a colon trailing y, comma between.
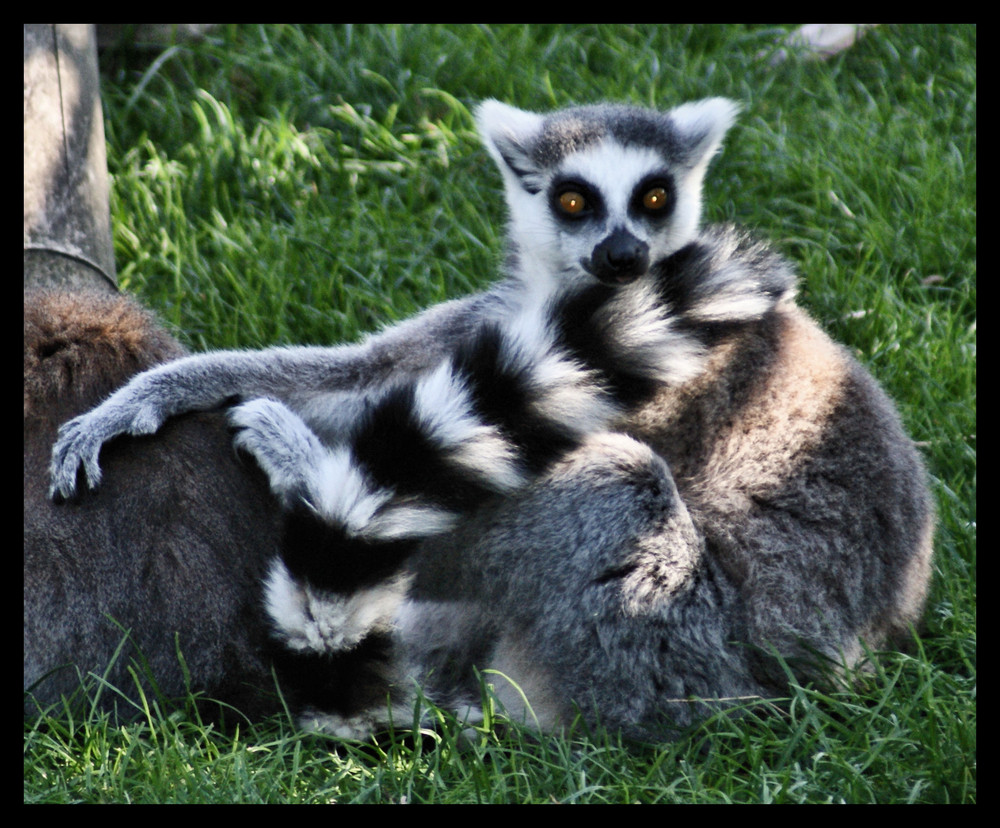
x: 204, y: 382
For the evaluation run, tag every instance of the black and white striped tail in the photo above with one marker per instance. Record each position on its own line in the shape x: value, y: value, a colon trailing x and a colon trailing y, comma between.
x: 426, y: 451
x: 421, y: 454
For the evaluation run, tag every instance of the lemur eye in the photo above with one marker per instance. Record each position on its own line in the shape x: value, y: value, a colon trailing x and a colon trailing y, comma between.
x: 655, y: 198
x: 572, y: 202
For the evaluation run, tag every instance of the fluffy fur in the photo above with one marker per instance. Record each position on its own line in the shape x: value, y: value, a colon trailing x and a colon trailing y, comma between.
x: 773, y: 514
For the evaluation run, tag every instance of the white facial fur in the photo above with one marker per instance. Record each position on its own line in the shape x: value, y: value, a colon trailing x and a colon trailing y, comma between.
x: 615, y: 171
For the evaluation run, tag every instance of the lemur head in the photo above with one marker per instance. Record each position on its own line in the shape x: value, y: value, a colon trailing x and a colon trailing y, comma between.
x: 603, y: 191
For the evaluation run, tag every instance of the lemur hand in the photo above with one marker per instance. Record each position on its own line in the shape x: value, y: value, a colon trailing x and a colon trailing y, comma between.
x: 80, y: 440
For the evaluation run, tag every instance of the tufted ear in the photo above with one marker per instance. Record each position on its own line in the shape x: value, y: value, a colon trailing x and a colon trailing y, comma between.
x: 701, y: 126
x: 508, y: 133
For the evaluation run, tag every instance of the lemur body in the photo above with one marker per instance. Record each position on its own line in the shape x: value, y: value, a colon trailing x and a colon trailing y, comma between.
x: 766, y: 503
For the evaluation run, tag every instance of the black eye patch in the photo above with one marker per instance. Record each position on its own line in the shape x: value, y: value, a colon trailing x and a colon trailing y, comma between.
x: 574, y: 200
x: 654, y: 197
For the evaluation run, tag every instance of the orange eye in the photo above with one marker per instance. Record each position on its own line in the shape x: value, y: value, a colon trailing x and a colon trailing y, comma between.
x: 572, y: 202
x: 655, y: 199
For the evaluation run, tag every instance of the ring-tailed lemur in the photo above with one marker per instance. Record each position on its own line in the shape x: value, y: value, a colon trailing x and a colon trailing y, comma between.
x: 773, y: 508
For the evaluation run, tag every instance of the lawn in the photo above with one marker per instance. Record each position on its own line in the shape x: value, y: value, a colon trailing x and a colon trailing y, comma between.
x: 307, y: 184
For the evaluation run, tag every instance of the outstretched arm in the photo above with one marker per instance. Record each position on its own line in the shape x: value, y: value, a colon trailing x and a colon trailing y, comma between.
x: 195, y: 383
x: 293, y: 375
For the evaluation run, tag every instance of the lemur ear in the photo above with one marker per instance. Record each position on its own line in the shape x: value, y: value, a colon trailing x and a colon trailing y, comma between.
x: 702, y: 125
x: 508, y: 133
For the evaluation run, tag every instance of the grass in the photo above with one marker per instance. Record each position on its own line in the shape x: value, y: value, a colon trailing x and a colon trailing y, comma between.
x: 282, y: 184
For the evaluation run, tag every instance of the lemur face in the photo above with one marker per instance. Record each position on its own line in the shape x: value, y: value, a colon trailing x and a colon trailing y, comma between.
x: 602, y: 193
x: 614, y: 211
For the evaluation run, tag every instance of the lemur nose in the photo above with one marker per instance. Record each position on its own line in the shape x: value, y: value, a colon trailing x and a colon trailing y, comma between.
x: 620, y: 258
